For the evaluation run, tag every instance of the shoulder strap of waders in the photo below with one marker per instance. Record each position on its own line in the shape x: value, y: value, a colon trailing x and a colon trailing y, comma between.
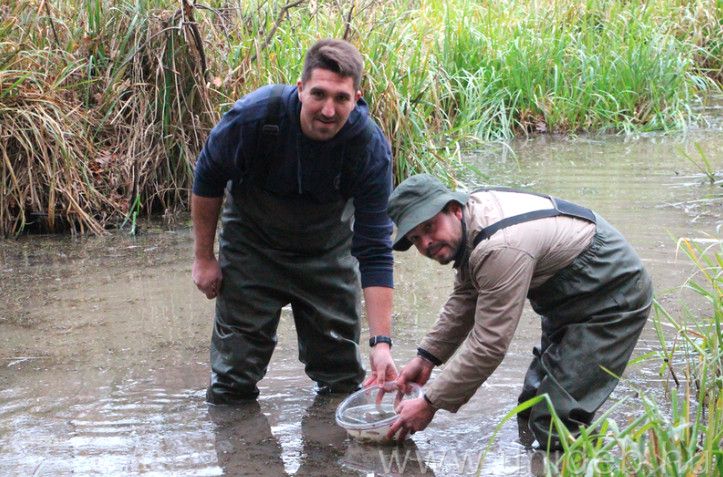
x: 561, y: 207
x: 354, y: 160
x: 267, y: 145
x: 266, y: 141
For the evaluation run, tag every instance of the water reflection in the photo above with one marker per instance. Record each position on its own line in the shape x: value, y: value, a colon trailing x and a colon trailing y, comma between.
x: 405, y: 459
x: 244, y: 442
x: 246, y: 445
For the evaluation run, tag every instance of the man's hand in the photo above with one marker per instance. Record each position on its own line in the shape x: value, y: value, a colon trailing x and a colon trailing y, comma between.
x: 206, y: 272
x: 206, y: 275
x: 382, y: 366
x: 414, y: 415
x: 417, y: 370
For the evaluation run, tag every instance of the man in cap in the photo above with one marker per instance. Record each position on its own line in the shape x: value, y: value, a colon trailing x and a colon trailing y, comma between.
x: 307, y: 175
x: 580, y: 275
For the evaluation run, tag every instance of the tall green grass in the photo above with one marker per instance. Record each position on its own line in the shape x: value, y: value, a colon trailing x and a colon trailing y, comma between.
x: 136, y: 85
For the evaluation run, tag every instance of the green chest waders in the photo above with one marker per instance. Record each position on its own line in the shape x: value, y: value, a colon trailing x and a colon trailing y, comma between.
x: 592, y: 312
x: 276, y: 251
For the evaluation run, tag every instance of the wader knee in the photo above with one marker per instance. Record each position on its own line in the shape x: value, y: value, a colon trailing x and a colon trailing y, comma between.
x: 328, y: 329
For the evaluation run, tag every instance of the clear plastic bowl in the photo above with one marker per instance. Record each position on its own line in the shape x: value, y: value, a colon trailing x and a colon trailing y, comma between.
x: 367, y: 421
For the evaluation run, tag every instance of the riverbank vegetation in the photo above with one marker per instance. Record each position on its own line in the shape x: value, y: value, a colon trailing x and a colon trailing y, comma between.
x: 105, y: 105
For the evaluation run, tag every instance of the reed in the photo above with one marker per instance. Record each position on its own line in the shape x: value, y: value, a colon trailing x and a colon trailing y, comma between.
x: 96, y: 111
x: 703, y: 164
x: 127, y: 91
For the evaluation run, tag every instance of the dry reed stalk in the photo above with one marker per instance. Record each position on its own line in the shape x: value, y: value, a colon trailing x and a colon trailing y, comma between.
x: 80, y: 138
x: 47, y: 178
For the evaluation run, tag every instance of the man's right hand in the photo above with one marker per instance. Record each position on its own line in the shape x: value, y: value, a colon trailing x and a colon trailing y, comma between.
x: 418, y: 371
x: 206, y: 275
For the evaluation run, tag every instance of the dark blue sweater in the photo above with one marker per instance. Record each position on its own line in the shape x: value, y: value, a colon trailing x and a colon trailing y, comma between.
x: 231, y: 147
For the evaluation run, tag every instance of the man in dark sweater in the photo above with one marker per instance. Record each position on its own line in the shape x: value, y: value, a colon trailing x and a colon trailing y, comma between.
x: 307, y: 175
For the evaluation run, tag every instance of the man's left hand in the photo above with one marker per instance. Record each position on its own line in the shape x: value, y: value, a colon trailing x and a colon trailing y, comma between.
x: 414, y: 415
x: 382, y: 366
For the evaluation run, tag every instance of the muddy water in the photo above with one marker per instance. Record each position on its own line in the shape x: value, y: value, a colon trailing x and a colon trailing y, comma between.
x: 104, y: 341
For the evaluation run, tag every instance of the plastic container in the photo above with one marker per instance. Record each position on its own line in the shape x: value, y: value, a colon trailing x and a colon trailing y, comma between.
x: 367, y: 421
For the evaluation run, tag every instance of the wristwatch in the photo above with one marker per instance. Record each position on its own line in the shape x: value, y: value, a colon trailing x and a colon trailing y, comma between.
x: 374, y: 340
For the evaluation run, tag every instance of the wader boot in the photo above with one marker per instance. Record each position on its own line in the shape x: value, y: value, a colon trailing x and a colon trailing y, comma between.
x: 278, y: 251
x: 593, y: 312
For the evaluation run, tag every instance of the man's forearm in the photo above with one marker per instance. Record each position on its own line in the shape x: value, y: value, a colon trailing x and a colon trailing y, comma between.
x: 379, y: 310
x: 204, y: 214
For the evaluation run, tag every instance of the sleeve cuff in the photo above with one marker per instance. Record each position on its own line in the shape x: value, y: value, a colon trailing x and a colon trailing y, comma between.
x: 429, y: 401
x: 202, y: 188
x: 377, y: 279
x: 424, y: 354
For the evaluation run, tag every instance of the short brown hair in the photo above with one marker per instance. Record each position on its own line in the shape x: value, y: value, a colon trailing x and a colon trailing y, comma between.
x: 338, y: 56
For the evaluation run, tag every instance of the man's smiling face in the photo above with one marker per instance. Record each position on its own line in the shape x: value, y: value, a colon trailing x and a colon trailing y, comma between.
x: 327, y: 99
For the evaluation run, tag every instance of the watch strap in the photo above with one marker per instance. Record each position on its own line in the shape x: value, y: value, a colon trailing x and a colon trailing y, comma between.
x: 374, y: 340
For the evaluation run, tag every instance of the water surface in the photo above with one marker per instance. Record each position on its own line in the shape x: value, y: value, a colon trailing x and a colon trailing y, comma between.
x: 104, y: 341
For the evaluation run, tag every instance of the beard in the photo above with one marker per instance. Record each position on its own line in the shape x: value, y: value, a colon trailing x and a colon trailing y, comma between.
x: 445, y: 258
